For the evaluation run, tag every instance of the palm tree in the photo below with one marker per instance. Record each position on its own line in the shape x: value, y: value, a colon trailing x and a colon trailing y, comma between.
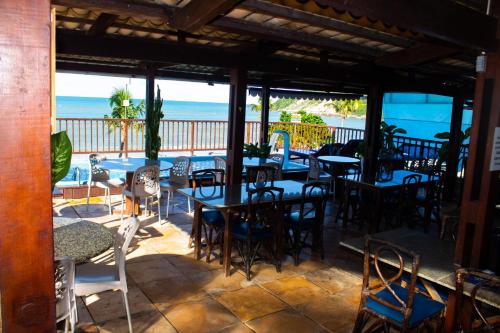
x: 257, y: 107
x: 346, y: 107
x: 118, y: 111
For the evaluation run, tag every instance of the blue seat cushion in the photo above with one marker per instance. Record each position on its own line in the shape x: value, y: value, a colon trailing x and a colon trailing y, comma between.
x: 293, y: 218
x: 259, y: 232
x: 212, y: 217
x: 423, y: 307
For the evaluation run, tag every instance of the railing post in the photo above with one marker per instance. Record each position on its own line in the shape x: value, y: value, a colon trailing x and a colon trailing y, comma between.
x: 192, y: 138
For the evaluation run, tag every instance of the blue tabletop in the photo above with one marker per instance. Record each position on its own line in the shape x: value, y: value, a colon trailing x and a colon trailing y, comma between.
x: 397, y: 179
x: 131, y: 164
x: 226, y: 196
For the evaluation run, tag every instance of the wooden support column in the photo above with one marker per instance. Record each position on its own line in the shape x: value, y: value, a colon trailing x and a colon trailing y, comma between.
x: 264, y: 114
x: 236, y: 125
x: 372, y: 131
x: 26, y: 237
x: 454, y: 146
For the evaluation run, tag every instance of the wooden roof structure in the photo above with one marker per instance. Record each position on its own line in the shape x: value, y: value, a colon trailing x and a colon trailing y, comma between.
x: 321, y: 45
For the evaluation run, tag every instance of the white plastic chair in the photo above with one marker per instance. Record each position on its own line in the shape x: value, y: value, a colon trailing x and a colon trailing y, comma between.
x: 179, y: 178
x: 64, y: 277
x: 145, y: 184
x: 92, y: 278
x: 100, y: 178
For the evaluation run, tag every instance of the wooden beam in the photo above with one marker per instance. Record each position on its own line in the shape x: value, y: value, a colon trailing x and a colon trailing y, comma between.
x: 416, y: 55
x: 372, y: 131
x: 444, y: 20
x: 454, y: 146
x: 293, y: 14
x: 289, y: 36
x: 101, y: 24
x: 236, y: 125
x: 26, y: 240
x: 198, y: 13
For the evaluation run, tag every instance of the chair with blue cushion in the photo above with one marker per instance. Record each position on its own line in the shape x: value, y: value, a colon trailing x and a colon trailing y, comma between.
x: 209, y: 181
x: 382, y: 297
x: 308, y: 220
x: 261, y: 226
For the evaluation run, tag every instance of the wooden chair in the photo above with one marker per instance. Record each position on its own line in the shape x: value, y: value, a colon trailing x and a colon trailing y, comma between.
x: 262, y: 223
x: 384, y: 300
x: 261, y: 175
x: 403, y: 203
x: 481, y: 283
x: 308, y: 219
x: 212, y: 219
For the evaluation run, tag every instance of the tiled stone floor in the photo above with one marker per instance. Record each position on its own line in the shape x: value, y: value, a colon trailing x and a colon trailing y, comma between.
x: 169, y: 291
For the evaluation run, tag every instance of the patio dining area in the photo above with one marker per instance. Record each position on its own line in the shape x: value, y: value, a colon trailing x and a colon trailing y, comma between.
x: 315, y: 229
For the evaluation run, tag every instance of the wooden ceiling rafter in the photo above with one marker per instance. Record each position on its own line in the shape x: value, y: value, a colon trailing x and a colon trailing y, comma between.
x: 416, y: 55
x: 198, y: 13
x: 101, y: 24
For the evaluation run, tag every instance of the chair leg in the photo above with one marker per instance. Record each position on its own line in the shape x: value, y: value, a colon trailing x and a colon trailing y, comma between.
x: 159, y: 209
x: 189, y: 205
x: 88, y: 196
x: 168, y: 204
x: 123, y: 205
x: 109, y: 200
x: 133, y: 206
x: 209, y: 243
x: 147, y: 212
x: 358, y: 326
x: 127, y: 309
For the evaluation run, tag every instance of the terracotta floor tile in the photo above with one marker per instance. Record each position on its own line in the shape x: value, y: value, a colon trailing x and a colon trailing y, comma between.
x: 286, y: 321
x: 262, y: 273
x: 333, y: 280
x: 215, y: 282
x: 252, y: 302
x: 109, y: 304
x: 150, y: 270
x: 330, y: 311
x: 166, y: 292
x: 238, y: 328
x: 294, y: 290
x: 202, y: 316
x: 144, y: 322
x: 188, y: 265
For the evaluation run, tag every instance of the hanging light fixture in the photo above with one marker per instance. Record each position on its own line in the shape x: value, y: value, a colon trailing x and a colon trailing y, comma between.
x: 481, y: 63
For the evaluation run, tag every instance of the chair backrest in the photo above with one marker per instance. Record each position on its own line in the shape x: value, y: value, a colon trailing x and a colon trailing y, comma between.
x: 481, y: 283
x: 278, y: 169
x: 146, y: 181
x: 374, y: 282
x: 350, y: 148
x: 435, y: 185
x: 97, y: 174
x: 409, y: 188
x: 64, y: 277
x: 208, y: 177
x: 313, y: 199
x: 314, y: 169
x: 123, y: 237
x: 265, y: 208
x: 260, y: 174
x: 179, y: 173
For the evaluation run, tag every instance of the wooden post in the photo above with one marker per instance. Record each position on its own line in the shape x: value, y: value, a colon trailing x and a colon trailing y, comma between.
x: 236, y: 125
x: 454, y: 146
x: 372, y: 131
x: 26, y: 240
x: 264, y: 114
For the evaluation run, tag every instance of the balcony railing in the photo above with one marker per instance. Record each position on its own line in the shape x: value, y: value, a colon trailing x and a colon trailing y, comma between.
x: 105, y: 136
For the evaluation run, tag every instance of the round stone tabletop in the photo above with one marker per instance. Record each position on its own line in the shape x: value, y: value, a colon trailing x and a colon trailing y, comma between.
x: 80, y: 239
x: 338, y: 159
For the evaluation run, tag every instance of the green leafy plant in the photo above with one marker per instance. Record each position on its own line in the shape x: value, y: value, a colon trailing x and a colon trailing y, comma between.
x: 310, y: 118
x: 348, y: 107
x: 253, y: 150
x: 153, y: 118
x: 388, y: 133
x: 60, y: 154
x: 285, y: 117
x: 445, y: 146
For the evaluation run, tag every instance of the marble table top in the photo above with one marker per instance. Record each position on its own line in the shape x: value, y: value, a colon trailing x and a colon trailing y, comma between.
x: 338, y: 159
x: 131, y: 164
x: 80, y: 239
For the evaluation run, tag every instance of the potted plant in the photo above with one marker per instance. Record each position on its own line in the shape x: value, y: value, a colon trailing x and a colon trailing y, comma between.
x: 445, y: 146
x: 153, y: 140
x: 253, y: 150
x: 60, y: 151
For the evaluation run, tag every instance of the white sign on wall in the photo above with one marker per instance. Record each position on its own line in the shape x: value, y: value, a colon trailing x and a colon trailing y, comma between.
x: 495, y: 154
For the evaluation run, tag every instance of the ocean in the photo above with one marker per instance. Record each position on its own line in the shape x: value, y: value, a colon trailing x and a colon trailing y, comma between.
x: 421, y: 120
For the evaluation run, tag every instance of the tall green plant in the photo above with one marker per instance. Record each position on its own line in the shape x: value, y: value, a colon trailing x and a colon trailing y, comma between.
x: 445, y: 146
x: 346, y: 107
x: 60, y: 154
x: 388, y: 133
x: 153, y: 118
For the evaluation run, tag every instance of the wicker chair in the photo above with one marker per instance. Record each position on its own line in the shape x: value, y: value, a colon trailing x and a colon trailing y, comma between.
x: 64, y: 278
x: 261, y: 175
x: 179, y: 178
x: 383, y: 298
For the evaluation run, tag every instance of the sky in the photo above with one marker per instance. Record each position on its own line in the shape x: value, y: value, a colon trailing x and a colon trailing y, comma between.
x: 84, y: 85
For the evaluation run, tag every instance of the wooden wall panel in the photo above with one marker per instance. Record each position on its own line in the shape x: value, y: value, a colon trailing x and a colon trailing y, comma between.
x: 26, y: 238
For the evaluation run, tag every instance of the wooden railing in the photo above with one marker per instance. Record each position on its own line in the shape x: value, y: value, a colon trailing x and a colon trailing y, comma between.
x: 105, y: 136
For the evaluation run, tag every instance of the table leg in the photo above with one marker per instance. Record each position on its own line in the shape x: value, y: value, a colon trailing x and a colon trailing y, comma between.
x: 347, y: 191
x: 196, y: 232
x: 227, y: 242
x: 379, y: 201
x: 128, y: 201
